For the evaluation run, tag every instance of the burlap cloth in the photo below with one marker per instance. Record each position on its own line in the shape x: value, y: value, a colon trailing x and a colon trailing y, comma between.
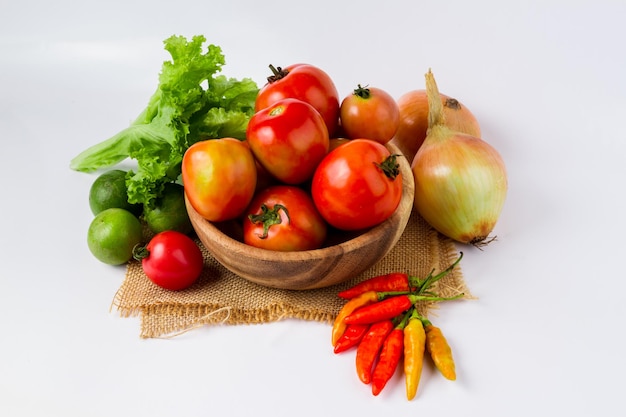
x: 221, y: 297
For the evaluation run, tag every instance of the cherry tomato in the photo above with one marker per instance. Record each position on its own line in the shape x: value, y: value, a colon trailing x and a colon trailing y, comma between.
x: 357, y: 185
x: 370, y: 113
x: 288, y: 139
x: 304, y: 82
x: 219, y: 176
x: 284, y: 218
x: 171, y: 260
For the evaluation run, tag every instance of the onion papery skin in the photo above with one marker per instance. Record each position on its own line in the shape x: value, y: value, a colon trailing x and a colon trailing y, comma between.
x: 460, y: 185
x: 413, y: 125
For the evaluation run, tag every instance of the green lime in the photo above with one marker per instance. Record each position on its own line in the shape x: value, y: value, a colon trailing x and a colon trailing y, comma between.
x: 113, y: 234
x: 109, y: 191
x: 169, y: 211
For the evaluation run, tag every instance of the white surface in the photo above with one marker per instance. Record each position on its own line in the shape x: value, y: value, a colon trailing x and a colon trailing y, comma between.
x: 546, y: 80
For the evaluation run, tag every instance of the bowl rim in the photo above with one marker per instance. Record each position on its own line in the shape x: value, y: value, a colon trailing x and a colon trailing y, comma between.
x: 238, y: 247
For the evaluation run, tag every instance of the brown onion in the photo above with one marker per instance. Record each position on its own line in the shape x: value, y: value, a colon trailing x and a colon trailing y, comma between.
x: 460, y: 180
x: 414, y: 120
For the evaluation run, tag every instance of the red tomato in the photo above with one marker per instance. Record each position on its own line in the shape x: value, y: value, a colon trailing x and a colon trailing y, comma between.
x: 219, y: 176
x: 370, y: 113
x: 284, y: 218
x: 288, y: 139
x: 357, y: 185
x: 303, y: 82
x: 171, y: 260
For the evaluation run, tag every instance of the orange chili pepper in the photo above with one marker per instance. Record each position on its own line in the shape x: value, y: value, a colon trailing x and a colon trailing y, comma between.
x: 414, y: 345
x: 439, y: 350
x: 339, y: 326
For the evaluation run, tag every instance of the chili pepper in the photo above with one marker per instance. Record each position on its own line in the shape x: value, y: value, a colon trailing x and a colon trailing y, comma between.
x: 439, y: 350
x: 389, y: 306
x: 382, y: 310
x: 351, y: 337
x: 369, y: 348
x: 395, y: 281
x: 414, y: 345
x: 339, y: 325
x: 389, y: 358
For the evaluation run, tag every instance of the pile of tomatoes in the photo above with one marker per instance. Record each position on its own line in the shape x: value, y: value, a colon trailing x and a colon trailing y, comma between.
x: 310, y: 162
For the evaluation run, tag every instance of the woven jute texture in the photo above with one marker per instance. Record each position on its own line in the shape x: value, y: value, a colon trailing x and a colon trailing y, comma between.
x: 221, y: 297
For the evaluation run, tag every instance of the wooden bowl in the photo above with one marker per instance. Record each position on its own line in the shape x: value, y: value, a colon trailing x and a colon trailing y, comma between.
x: 345, y: 255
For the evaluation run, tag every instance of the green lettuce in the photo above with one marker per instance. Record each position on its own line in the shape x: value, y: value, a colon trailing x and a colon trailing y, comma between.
x: 192, y: 103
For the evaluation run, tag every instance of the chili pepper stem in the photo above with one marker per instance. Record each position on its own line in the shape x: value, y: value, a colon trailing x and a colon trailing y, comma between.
x: 385, y: 294
x: 140, y: 252
x: 431, y: 279
x: 407, y: 316
x: 417, y: 297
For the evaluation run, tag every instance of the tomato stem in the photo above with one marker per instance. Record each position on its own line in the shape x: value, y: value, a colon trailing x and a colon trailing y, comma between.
x: 277, y: 74
x: 390, y: 166
x: 140, y: 252
x: 362, y: 92
x: 269, y: 217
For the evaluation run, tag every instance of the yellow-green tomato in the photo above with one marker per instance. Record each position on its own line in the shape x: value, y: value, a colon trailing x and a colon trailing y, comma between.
x: 219, y: 177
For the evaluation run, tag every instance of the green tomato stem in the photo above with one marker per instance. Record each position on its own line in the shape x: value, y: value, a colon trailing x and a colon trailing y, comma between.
x: 362, y: 92
x: 140, y: 252
x: 269, y: 217
x: 390, y: 166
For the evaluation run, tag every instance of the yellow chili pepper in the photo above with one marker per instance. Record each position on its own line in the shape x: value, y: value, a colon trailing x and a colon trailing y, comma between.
x: 439, y: 350
x: 339, y: 326
x: 414, y: 345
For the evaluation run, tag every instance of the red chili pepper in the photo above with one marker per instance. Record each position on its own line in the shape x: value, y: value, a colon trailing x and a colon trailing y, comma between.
x: 351, y: 337
x: 394, y: 281
x: 389, y: 358
x: 382, y: 310
x: 369, y: 348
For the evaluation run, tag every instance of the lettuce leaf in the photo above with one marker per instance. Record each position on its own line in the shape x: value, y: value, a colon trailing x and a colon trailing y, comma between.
x: 191, y: 103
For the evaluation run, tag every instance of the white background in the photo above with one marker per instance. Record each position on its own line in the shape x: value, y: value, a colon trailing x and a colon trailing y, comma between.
x: 546, y: 79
